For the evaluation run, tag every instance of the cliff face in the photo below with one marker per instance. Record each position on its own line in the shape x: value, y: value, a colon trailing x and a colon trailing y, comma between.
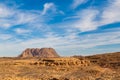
x: 36, y: 52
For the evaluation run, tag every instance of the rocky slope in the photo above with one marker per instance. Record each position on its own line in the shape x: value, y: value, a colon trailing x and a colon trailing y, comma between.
x: 108, y: 60
x: 36, y: 52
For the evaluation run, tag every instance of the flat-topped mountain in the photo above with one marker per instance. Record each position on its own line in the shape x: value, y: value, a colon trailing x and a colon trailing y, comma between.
x: 37, y: 52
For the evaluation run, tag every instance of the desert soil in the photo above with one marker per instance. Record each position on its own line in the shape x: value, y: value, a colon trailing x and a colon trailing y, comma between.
x: 55, y: 69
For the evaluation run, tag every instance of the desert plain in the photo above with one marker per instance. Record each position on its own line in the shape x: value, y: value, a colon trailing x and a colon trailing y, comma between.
x: 95, y: 67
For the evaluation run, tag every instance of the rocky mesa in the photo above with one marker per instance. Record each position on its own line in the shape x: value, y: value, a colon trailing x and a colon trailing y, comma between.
x: 39, y: 52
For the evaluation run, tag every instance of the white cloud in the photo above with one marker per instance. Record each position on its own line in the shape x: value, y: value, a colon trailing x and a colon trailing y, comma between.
x: 22, y: 31
x: 25, y: 17
x: 71, y: 43
x: 5, y: 14
x: 5, y: 36
x: 5, y: 11
x: 48, y: 7
x: 77, y: 3
x: 111, y: 13
x: 91, y: 18
x: 87, y: 20
x: 11, y: 16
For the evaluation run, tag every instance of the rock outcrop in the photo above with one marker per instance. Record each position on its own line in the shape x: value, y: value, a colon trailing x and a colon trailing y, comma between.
x: 63, y: 61
x: 36, y: 52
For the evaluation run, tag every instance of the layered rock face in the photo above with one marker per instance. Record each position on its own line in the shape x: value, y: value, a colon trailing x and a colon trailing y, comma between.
x: 36, y: 52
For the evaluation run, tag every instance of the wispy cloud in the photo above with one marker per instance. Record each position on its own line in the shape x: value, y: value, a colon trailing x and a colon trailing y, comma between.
x: 111, y: 13
x: 64, y: 35
x: 5, y: 36
x: 91, y: 18
x: 48, y: 7
x: 87, y: 20
x: 11, y: 16
x: 51, y: 9
x: 22, y: 31
x: 5, y: 11
x: 69, y: 42
x: 77, y: 3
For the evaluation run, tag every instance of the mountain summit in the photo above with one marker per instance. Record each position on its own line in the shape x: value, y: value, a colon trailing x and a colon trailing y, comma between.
x: 37, y: 52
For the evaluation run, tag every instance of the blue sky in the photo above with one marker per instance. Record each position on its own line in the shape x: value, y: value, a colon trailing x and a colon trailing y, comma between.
x: 72, y: 27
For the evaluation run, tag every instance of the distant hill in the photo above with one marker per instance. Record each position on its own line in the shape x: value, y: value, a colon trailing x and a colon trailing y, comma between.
x: 108, y: 60
x: 36, y: 52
